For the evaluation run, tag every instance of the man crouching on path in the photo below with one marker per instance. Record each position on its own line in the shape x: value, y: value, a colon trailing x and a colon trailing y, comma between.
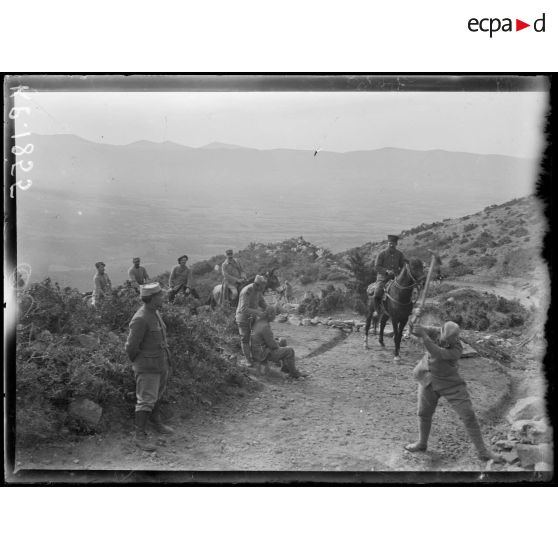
x: 437, y: 374
x: 148, y: 350
x: 265, y: 347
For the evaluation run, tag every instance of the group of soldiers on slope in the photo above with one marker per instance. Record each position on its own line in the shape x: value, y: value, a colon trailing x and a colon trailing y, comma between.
x: 436, y: 373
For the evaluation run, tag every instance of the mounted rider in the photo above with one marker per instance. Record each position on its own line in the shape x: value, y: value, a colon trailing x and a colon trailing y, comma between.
x: 233, y: 276
x: 389, y: 263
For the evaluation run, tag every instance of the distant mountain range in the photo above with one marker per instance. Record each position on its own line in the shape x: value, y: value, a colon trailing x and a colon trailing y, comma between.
x: 93, y: 201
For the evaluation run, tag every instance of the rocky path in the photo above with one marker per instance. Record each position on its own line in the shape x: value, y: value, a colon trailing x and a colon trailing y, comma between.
x: 354, y: 412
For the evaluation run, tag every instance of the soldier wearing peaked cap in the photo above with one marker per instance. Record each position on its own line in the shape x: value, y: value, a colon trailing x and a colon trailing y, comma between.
x: 388, y: 264
x: 148, y: 350
x: 438, y: 376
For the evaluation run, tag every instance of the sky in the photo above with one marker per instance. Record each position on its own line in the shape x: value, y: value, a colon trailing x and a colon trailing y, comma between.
x: 477, y: 122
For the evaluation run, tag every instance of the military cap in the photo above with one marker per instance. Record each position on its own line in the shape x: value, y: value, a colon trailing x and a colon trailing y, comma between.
x: 136, y: 259
x: 183, y: 256
x: 229, y: 252
x: 451, y: 329
x: 392, y: 238
x: 99, y: 264
x: 150, y: 289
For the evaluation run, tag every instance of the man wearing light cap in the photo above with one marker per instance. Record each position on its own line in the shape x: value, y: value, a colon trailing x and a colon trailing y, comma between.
x: 102, y: 284
x: 250, y: 305
x: 148, y: 350
x: 437, y: 375
x: 264, y: 347
x: 181, y: 280
x: 389, y: 262
x: 232, y: 275
x: 137, y: 274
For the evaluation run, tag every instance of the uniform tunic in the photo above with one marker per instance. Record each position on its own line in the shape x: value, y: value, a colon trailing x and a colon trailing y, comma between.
x: 180, y: 277
x: 250, y: 301
x: 232, y: 272
x: 138, y: 275
x: 102, y: 286
x: 389, y: 260
x: 443, y: 379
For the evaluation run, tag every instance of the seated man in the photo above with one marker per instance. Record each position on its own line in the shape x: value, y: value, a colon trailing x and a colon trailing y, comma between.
x: 180, y: 279
x: 137, y: 274
x: 264, y: 346
x: 438, y: 376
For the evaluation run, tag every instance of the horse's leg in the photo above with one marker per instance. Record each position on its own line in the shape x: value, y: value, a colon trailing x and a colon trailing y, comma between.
x: 367, y: 325
x: 398, y: 337
x: 383, y: 321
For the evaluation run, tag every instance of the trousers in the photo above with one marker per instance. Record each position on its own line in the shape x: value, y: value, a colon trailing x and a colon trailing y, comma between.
x: 457, y: 396
x: 149, y: 390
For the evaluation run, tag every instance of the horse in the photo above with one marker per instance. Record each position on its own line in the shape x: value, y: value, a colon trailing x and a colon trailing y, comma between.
x: 216, y: 298
x: 398, y: 304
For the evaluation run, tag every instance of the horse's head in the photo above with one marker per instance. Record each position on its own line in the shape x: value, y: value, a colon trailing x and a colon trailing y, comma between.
x: 416, y: 270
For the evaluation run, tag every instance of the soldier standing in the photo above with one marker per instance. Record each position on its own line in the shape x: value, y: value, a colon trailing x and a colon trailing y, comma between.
x: 250, y: 305
x: 148, y: 350
x: 102, y: 284
x: 438, y: 376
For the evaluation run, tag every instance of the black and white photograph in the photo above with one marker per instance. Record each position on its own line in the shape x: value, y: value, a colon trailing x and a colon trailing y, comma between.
x: 276, y: 278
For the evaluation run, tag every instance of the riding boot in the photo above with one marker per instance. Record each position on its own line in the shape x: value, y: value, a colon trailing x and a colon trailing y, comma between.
x: 424, y: 433
x: 474, y: 431
x: 140, y: 435
x: 157, y: 421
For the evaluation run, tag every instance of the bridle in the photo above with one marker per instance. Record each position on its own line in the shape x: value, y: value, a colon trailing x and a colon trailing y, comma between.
x: 415, y: 283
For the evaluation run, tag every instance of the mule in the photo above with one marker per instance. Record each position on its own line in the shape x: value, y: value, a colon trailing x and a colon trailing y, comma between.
x: 217, y: 299
x: 397, y: 304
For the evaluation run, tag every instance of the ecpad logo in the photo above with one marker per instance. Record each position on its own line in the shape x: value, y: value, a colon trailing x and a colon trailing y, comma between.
x: 494, y: 24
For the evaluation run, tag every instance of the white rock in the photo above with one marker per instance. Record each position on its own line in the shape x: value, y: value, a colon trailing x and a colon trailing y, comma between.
x: 526, y: 409
x: 542, y: 466
x: 530, y: 454
x: 87, y: 341
x: 306, y: 322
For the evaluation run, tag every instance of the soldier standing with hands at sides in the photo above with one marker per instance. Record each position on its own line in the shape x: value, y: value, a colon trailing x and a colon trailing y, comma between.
x: 137, y: 274
x: 251, y: 304
x: 388, y: 264
x: 148, y: 350
x: 438, y: 376
x: 102, y: 283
